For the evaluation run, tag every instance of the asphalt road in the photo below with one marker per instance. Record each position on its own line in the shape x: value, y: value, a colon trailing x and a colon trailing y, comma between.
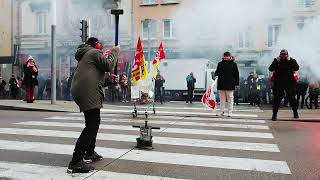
x: 38, y: 145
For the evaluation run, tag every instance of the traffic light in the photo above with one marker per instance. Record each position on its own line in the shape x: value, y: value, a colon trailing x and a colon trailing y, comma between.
x: 84, y: 30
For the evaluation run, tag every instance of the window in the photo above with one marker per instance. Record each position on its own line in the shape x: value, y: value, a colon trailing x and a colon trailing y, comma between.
x: 42, y: 23
x: 273, y: 35
x: 245, y: 40
x: 101, y: 21
x: 146, y: 2
x: 169, y: 1
x: 169, y: 29
x: 305, y: 3
x: 152, y: 29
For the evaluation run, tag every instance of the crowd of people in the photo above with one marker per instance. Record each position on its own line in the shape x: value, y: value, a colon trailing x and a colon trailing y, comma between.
x: 256, y: 90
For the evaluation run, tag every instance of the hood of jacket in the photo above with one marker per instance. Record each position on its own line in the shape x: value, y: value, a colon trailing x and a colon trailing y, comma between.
x: 82, y: 50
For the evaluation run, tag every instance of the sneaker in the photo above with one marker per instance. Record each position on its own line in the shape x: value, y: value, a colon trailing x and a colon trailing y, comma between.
x: 91, y: 158
x: 274, y: 117
x: 229, y: 114
x: 296, y: 115
x: 80, y: 167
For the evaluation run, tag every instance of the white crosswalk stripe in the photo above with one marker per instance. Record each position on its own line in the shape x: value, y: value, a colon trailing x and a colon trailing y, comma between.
x: 153, y: 156
x: 169, y: 130
x: 183, y: 113
x: 28, y: 171
x: 158, y: 140
x: 249, y: 136
x: 76, y: 115
x: 172, y: 122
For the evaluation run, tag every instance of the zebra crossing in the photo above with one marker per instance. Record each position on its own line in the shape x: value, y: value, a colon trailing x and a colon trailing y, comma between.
x: 215, y: 144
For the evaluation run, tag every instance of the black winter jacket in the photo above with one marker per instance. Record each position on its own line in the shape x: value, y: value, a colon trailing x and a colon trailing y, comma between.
x: 283, y: 72
x: 228, y: 75
x: 30, y: 76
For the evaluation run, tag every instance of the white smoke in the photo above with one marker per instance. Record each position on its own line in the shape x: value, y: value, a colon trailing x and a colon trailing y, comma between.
x: 217, y: 24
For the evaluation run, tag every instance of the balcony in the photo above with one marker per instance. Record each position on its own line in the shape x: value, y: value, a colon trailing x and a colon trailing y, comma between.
x: 167, y: 2
x: 149, y: 3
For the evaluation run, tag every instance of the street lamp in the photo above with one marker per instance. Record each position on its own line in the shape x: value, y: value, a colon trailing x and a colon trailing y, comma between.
x: 148, y: 21
x: 53, y: 52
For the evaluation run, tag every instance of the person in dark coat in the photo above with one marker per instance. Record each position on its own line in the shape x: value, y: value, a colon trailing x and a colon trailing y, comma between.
x: 252, y: 85
x: 228, y: 81
x: 191, y: 80
x: 284, y: 82
x: 30, y: 70
x: 86, y: 88
x: 301, y: 88
x: 159, y: 86
x: 2, y: 87
x: 314, y: 92
x: 14, y: 87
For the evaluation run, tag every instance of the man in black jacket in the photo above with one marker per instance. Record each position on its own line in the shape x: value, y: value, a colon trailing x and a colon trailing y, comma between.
x: 159, y: 80
x: 228, y: 79
x: 284, y: 82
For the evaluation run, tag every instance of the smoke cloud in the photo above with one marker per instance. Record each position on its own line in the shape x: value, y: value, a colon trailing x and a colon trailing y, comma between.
x: 217, y: 24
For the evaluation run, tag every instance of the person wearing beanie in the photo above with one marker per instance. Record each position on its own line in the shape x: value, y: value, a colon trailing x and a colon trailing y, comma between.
x: 228, y: 81
x: 30, y: 71
x: 86, y: 89
x: 283, y: 68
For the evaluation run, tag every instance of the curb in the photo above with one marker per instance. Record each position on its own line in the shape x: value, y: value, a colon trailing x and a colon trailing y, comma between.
x: 15, y: 108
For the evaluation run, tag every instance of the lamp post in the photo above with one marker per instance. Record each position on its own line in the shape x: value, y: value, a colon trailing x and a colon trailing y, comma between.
x: 149, y: 42
x: 53, y: 53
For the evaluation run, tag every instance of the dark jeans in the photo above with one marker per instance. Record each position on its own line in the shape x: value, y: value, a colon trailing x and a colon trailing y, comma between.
x: 279, y: 94
x: 190, y: 95
x: 87, y: 140
x: 302, y: 100
x: 159, y: 91
x: 314, y: 100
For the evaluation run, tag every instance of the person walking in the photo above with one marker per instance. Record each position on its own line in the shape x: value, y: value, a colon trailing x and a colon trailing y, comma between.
x: 301, y: 88
x: 124, y: 87
x: 228, y: 80
x: 30, y: 70
x: 2, y: 87
x: 86, y: 88
x: 283, y: 68
x: 314, y: 92
x: 159, y: 86
x: 191, y: 80
x: 14, y: 87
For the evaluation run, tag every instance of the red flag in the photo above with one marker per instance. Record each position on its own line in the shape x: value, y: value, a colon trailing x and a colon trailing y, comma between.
x: 160, y: 55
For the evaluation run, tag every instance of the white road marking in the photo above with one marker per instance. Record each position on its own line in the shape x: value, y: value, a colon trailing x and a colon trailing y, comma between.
x: 157, y: 140
x: 28, y: 171
x: 245, y: 126
x: 158, y: 157
x: 169, y: 130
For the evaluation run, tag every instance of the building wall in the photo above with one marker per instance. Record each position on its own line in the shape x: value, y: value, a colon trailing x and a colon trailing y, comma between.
x: 69, y: 15
x: 6, y: 36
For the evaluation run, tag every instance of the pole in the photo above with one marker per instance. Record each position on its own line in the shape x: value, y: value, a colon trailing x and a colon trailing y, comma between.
x: 149, y: 44
x: 53, y: 54
x: 116, y: 13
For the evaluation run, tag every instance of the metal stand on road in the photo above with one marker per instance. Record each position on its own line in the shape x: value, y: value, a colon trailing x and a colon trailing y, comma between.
x: 145, y: 139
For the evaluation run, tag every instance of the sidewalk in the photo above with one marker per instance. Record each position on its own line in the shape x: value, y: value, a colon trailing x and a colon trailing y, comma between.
x: 285, y: 114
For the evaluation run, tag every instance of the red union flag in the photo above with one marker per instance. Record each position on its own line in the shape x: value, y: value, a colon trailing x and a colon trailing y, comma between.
x: 159, y: 57
x: 139, y: 69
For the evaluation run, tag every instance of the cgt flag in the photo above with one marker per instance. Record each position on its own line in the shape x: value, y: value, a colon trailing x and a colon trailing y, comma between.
x: 139, y: 69
x: 159, y: 56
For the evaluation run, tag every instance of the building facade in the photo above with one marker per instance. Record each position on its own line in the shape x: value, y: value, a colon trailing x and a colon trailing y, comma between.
x: 34, y: 35
x: 7, y: 25
x: 253, y: 45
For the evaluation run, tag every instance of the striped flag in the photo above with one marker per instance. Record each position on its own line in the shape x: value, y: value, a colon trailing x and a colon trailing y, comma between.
x: 159, y: 57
